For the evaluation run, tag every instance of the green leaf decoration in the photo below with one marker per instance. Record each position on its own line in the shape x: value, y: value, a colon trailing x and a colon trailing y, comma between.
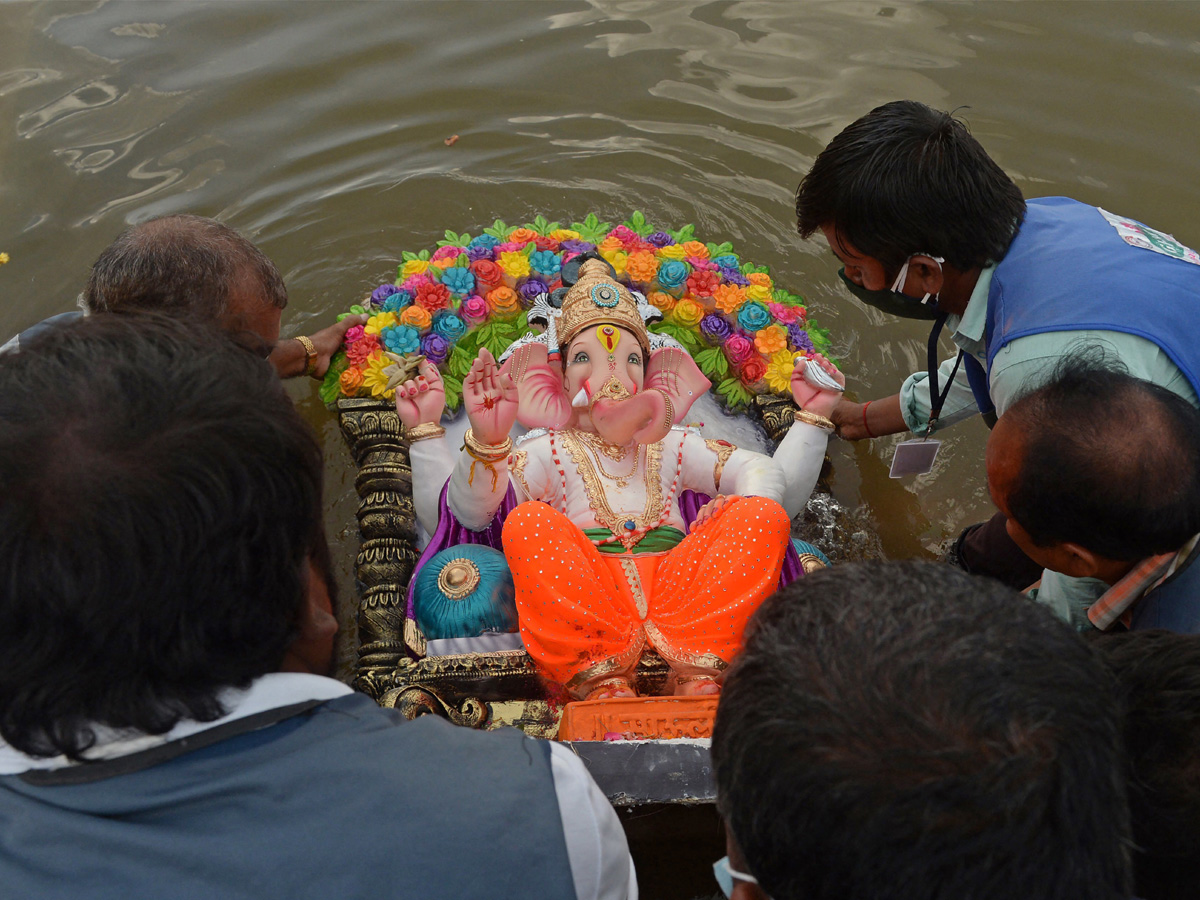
x: 460, y: 360
x: 463, y: 260
x: 357, y: 310
x: 424, y: 254
x: 330, y: 387
x: 408, y: 256
x: 453, y: 388
x: 455, y: 240
x: 684, y: 234
x: 719, y: 249
x: 542, y: 227
x: 499, y: 230
x: 592, y: 229
x: 638, y: 225
x: 786, y: 298
x: 522, y: 324
x: 484, y: 332
x: 529, y: 248
x: 735, y: 395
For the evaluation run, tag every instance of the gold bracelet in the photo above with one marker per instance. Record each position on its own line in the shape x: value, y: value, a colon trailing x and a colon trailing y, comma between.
x: 424, y: 431
x: 486, y: 453
x: 810, y: 418
x: 310, y: 356
x: 670, y: 409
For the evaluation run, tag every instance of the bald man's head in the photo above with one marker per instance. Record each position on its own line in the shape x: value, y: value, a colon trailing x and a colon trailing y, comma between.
x: 1098, y: 458
x: 192, y: 266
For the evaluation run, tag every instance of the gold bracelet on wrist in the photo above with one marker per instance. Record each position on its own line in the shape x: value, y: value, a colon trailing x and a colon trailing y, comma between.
x: 810, y: 418
x: 486, y: 453
x: 424, y: 431
x: 310, y: 356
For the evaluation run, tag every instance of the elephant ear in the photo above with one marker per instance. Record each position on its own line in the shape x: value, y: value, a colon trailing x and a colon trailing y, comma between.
x: 674, y: 372
x: 542, y: 401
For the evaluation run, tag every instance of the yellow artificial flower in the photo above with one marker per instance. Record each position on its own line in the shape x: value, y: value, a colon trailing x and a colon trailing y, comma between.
x: 617, y: 259
x: 671, y: 251
x: 3, y: 258
x: 379, y: 321
x: 514, y: 263
x: 771, y: 339
x: 374, y: 378
x: 759, y: 292
x: 688, y: 312
x: 779, y: 371
x: 563, y: 234
x: 414, y: 267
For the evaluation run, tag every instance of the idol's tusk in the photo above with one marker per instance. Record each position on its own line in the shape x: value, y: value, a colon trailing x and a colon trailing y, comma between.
x: 581, y: 399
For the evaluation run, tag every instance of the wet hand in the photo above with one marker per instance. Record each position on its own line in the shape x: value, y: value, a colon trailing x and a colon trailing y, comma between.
x: 814, y: 399
x: 328, y: 341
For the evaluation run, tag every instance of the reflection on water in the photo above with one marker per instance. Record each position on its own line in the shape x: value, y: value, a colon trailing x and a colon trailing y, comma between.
x: 318, y: 129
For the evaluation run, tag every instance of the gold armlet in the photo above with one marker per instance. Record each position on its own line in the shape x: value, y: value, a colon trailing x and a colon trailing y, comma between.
x: 809, y: 418
x: 424, y: 431
x: 310, y: 356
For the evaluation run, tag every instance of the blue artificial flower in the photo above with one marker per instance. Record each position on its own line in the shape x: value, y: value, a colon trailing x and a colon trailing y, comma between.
x: 401, y: 339
x: 396, y: 301
x: 459, y: 280
x: 727, y: 261
x: 449, y: 325
x: 484, y: 240
x: 754, y: 316
x: 545, y: 262
x: 673, y: 273
x: 381, y: 293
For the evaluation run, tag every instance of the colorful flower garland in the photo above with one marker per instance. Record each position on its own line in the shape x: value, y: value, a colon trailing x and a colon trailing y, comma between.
x: 473, y: 292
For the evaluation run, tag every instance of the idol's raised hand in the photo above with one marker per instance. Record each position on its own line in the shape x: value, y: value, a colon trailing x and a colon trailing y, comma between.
x: 491, y: 399
x: 808, y: 396
x: 421, y: 399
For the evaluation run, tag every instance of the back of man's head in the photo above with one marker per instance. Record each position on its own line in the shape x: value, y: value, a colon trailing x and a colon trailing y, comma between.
x: 1107, y: 461
x: 1158, y: 674
x: 907, y: 179
x: 185, y: 264
x: 906, y: 730
x: 160, y: 496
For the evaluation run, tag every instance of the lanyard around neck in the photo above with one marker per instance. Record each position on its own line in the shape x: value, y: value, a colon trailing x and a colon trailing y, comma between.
x: 938, y: 399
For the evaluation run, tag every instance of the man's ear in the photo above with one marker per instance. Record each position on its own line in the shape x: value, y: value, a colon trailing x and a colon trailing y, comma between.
x: 1075, y: 560
x: 312, y: 650
x: 928, y: 273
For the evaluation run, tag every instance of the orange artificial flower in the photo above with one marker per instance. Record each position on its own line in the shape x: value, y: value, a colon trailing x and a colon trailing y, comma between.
x: 641, y: 266
x: 416, y: 316
x: 771, y: 339
x: 696, y: 249
x: 521, y: 236
x: 729, y: 298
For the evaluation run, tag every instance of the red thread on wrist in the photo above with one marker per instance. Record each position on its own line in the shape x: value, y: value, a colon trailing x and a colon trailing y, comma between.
x: 866, y: 427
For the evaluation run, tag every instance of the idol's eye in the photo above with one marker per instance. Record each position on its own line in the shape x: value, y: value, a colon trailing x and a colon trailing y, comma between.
x: 581, y: 357
x: 634, y: 359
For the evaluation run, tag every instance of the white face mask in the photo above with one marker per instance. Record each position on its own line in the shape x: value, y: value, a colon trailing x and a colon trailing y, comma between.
x: 898, y: 284
x: 726, y: 876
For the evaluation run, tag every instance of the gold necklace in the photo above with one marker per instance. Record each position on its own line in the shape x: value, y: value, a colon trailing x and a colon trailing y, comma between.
x: 615, y: 452
x: 627, y: 529
x: 598, y: 446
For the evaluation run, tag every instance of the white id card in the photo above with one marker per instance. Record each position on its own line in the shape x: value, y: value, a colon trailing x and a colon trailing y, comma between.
x: 914, y: 457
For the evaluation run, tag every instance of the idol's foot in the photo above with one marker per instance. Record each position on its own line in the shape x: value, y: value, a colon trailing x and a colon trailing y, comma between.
x: 696, y: 686
x: 612, y: 688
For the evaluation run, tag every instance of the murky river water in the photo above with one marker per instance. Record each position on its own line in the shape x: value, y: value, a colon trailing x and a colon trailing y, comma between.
x: 318, y: 129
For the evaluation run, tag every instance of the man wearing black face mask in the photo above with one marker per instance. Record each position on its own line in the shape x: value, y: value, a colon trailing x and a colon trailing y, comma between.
x: 928, y: 226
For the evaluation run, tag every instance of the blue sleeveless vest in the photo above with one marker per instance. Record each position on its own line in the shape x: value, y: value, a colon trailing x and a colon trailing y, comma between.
x: 1068, y: 269
x: 343, y: 800
x: 1174, y: 604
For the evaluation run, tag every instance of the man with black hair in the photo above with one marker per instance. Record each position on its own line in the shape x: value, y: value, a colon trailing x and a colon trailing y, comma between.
x: 928, y: 226
x: 1098, y: 473
x: 162, y: 551
x: 908, y: 731
x: 202, y: 270
x: 1158, y: 676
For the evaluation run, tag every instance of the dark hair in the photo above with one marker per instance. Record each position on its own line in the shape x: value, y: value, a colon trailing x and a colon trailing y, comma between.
x: 906, y: 730
x: 181, y: 264
x: 1158, y: 674
x: 159, y: 495
x: 907, y: 179
x: 1110, y: 462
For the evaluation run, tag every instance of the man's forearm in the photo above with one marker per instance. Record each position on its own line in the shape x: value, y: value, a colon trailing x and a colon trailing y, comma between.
x: 875, y: 418
x: 289, y: 358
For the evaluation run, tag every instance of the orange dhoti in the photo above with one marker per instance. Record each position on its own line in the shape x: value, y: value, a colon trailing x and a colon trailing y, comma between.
x: 586, y: 615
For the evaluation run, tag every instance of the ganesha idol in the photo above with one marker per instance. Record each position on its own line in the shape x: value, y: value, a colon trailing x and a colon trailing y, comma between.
x: 610, y: 551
